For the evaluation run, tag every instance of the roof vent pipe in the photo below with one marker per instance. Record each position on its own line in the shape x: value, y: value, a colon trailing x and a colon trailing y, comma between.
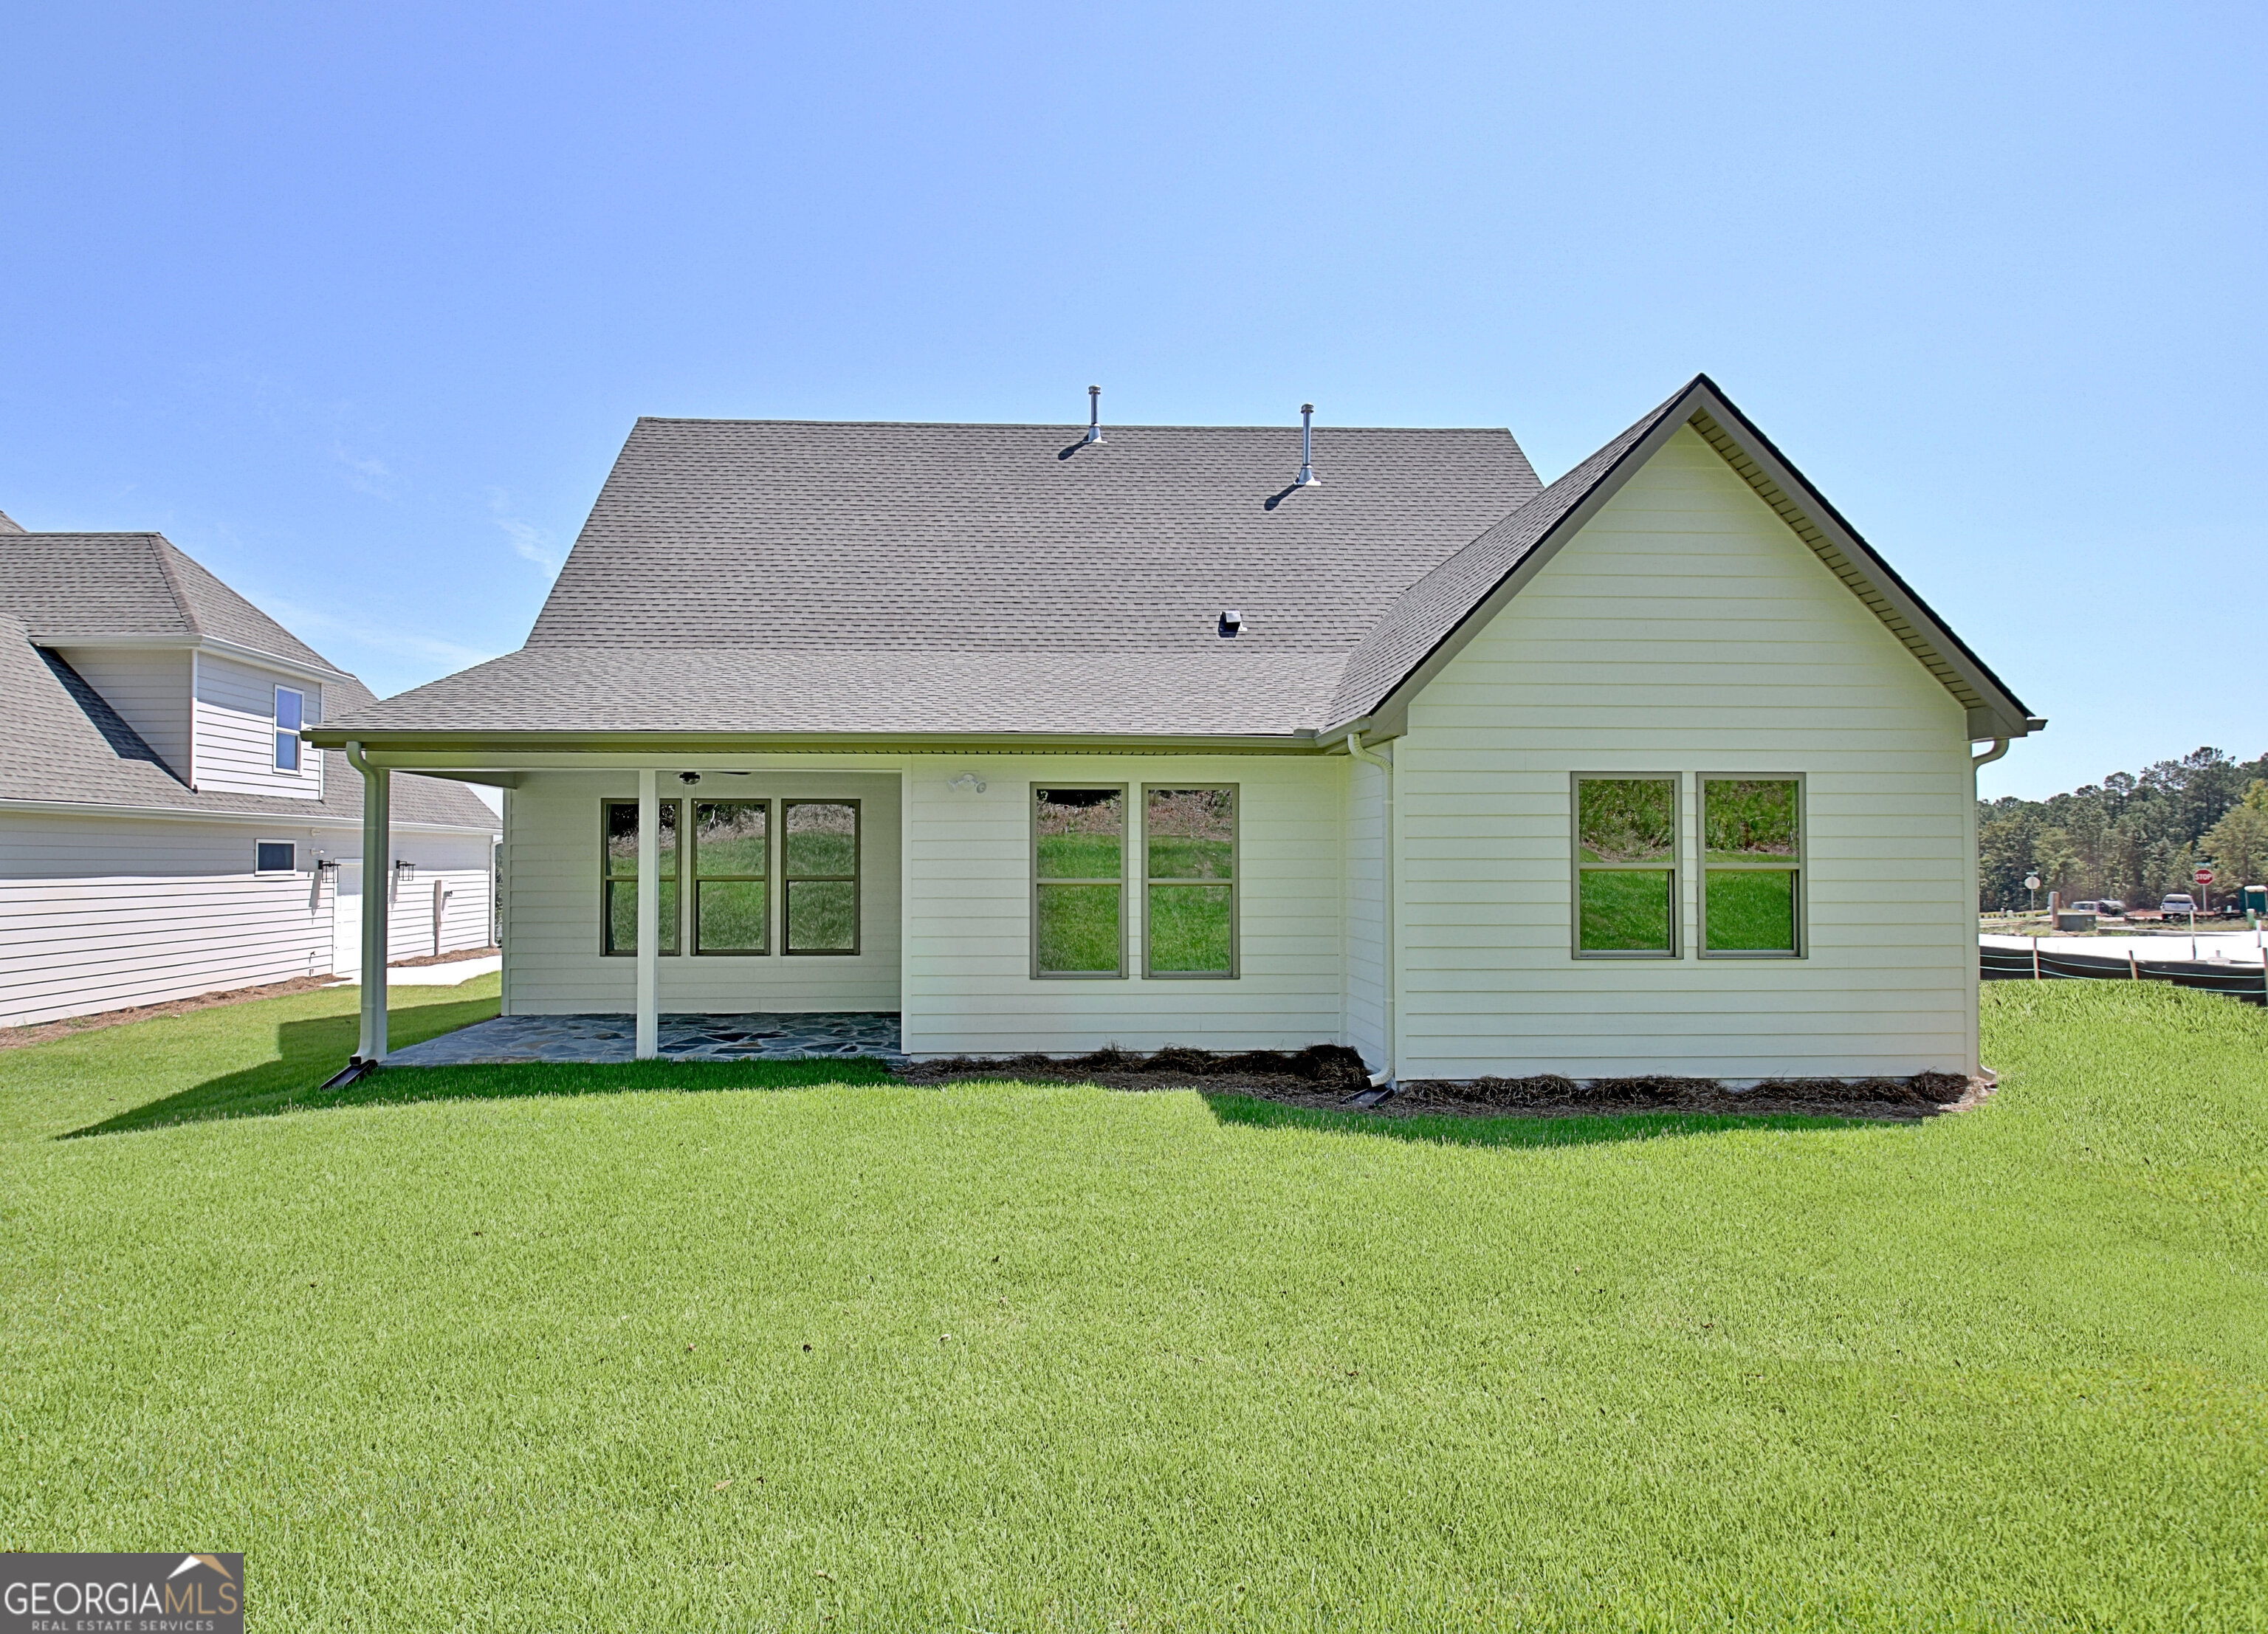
x: 1308, y: 477
x: 1093, y: 414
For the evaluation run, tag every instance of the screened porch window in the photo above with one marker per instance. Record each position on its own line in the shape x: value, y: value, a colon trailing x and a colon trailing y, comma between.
x: 1752, y: 867
x: 1626, y: 867
x: 1189, y: 902
x: 619, y: 878
x: 819, y: 876
x: 1078, y: 882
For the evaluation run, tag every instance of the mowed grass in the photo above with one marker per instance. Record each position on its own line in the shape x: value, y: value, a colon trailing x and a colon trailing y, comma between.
x: 1017, y: 1357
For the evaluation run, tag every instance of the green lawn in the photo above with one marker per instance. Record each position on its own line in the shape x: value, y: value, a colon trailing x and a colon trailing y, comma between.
x: 1007, y: 1357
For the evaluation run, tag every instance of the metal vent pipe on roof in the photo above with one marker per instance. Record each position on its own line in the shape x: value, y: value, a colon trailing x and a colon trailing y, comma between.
x: 1093, y: 414
x: 1308, y: 477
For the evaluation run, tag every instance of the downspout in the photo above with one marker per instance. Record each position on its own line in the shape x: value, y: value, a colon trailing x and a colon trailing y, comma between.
x: 1976, y: 1029
x: 1393, y: 928
x: 377, y: 872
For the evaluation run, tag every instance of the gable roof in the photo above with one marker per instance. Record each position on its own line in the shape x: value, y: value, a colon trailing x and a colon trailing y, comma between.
x: 794, y: 579
x: 1429, y: 622
x: 66, y: 745
x: 93, y: 588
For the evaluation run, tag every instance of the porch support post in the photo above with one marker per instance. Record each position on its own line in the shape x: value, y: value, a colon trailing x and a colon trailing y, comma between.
x: 649, y: 919
x: 377, y: 888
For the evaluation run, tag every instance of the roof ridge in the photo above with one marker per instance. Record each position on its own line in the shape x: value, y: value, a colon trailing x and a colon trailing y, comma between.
x: 1053, y: 425
x: 161, y: 547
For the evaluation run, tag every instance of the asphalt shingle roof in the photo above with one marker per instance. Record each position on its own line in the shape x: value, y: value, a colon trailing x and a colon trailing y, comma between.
x: 63, y: 743
x: 76, y: 586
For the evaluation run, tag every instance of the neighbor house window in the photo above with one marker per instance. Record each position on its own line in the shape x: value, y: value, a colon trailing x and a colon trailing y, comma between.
x: 1078, y: 882
x: 619, y: 884
x: 291, y: 715
x: 1625, y: 866
x: 275, y: 856
x: 819, y: 876
x: 1752, y: 867
x: 1188, y: 917
x: 731, y: 876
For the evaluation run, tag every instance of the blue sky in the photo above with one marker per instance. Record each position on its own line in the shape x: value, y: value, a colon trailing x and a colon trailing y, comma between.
x: 356, y: 304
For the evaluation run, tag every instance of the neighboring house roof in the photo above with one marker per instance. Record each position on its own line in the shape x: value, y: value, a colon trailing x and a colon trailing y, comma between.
x: 798, y: 578
x: 87, y: 588
x: 9, y: 524
x: 64, y: 745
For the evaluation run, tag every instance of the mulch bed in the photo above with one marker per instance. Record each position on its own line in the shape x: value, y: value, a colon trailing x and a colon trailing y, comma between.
x: 1329, y: 1077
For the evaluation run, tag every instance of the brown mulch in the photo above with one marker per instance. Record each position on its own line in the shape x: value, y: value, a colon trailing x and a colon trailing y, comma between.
x: 1328, y: 1077
x: 16, y: 1037
x: 443, y: 959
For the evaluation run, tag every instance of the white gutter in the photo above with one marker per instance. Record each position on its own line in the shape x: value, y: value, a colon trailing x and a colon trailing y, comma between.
x: 265, y: 819
x: 2000, y: 748
x: 1392, y: 926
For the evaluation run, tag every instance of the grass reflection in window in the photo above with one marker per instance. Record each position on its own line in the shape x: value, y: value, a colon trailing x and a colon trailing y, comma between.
x: 1078, y: 882
x: 1626, y: 866
x: 732, y: 877
x: 1189, y: 918
x: 1752, y: 867
x: 819, y: 876
x: 619, y: 881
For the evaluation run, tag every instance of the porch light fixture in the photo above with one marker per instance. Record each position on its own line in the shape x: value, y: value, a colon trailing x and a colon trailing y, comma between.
x: 405, y: 871
x: 967, y: 780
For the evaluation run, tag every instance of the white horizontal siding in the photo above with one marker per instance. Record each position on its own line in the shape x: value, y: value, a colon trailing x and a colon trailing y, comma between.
x: 1684, y: 629
x: 100, y: 914
x: 970, y: 989
x: 236, y: 730
x: 553, y: 965
x: 150, y: 692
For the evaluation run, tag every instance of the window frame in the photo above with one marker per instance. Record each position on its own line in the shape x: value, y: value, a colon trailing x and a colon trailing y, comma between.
x: 1577, y: 866
x: 1800, y: 866
x: 1235, y: 883
x: 261, y: 872
x: 856, y: 877
x: 1128, y: 828
x: 690, y: 833
x: 299, y: 766
x: 606, y: 916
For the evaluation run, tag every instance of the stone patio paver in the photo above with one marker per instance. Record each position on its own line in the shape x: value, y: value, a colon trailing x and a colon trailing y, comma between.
x: 597, y: 1038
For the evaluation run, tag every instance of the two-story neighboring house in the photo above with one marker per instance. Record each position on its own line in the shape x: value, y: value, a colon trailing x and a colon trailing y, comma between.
x: 165, y: 831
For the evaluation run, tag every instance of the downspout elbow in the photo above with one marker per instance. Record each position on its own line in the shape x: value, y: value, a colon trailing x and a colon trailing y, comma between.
x: 2000, y: 748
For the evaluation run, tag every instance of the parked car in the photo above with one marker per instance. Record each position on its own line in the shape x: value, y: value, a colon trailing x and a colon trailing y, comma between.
x: 2106, y: 908
x: 2179, y: 905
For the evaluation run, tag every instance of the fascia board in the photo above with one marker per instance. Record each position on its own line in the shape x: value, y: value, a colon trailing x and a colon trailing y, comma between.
x: 395, y: 742
x: 2015, y: 720
x: 256, y: 820
x: 1391, y: 713
x: 200, y: 643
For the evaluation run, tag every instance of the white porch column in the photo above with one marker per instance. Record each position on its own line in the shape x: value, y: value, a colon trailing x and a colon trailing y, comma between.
x: 377, y: 885
x: 649, y: 919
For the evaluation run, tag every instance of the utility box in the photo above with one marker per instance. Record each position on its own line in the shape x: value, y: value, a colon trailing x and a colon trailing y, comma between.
x: 2065, y: 919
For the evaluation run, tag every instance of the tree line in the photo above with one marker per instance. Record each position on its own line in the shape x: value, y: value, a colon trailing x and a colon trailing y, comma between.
x: 2134, y: 836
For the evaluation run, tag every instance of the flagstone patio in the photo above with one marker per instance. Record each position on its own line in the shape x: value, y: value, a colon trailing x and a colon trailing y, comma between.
x: 600, y: 1038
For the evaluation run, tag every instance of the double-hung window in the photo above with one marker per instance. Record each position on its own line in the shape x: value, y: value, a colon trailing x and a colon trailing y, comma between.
x: 291, y: 715
x: 819, y: 876
x: 619, y: 877
x: 1189, y: 909
x: 1078, y: 881
x: 1751, y: 867
x: 731, y: 876
x: 1625, y: 866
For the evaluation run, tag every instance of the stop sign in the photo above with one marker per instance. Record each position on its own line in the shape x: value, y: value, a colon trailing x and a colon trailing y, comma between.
x: 2202, y: 876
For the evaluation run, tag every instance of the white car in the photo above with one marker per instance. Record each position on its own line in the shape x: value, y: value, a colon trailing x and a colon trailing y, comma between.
x: 2179, y: 903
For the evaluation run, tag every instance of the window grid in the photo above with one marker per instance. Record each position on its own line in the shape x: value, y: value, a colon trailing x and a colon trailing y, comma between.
x: 731, y: 882
x: 801, y: 881
x: 1666, y: 864
x: 622, y: 870
x: 1154, y: 883
x: 1794, y: 862
x: 1043, y: 882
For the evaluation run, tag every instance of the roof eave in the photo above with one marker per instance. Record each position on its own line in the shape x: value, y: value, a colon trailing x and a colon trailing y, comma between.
x: 390, y: 741
x: 187, y: 643
x: 1999, y: 713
